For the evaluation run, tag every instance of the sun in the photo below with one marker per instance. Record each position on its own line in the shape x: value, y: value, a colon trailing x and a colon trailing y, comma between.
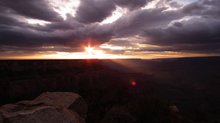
x: 89, y: 50
x: 94, y: 53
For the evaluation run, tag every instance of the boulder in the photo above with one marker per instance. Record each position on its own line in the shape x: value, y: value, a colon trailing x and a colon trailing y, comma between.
x: 118, y: 115
x: 174, y: 108
x: 49, y: 107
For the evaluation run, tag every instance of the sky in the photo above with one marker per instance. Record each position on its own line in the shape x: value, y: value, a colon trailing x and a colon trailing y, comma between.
x: 75, y: 29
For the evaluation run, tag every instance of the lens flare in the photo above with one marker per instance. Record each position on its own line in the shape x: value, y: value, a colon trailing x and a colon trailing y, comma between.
x: 133, y: 83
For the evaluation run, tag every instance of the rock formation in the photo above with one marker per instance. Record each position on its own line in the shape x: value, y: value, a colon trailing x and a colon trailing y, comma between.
x: 118, y: 115
x: 49, y: 107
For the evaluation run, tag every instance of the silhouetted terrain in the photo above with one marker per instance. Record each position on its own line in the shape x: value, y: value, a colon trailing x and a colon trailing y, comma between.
x: 191, y: 84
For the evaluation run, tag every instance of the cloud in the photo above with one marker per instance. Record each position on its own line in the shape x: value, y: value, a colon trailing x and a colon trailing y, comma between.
x: 205, y: 8
x: 198, y: 30
x: 138, y: 20
x: 131, y: 4
x: 91, y: 11
x: 37, y: 9
x: 165, y: 26
x: 197, y: 33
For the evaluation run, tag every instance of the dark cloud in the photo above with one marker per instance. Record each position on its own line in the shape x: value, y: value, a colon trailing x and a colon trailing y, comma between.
x: 205, y: 8
x: 91, y: 11
x: 7, y: 20
x: 194, y: 34
x: 94, y: 10
x: 138, y: 20
x: 37, y: 9
x: 199, y: 48
x: 23, y: 37
x: 121, y: 42
x: 131, y: 4
x: 60, y: 33
x: 30, y: 50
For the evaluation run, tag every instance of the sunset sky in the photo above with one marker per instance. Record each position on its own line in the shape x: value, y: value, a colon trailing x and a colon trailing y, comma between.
x: 75, y: 29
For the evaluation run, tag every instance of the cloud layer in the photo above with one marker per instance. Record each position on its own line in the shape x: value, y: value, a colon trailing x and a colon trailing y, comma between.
x: 32, y: 26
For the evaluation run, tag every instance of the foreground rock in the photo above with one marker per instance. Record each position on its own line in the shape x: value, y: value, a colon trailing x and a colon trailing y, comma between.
x: 50, y: 107
x: 118, y: 115
x: 146, y: 110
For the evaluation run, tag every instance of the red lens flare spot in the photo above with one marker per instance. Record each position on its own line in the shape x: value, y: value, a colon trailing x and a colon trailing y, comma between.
x: 133, y: 83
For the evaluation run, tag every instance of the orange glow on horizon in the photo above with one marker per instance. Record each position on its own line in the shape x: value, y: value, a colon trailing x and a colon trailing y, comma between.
x: 96, y: 51
x: 88, y: 53
x: 81, y: 55
x: 84, y: 55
